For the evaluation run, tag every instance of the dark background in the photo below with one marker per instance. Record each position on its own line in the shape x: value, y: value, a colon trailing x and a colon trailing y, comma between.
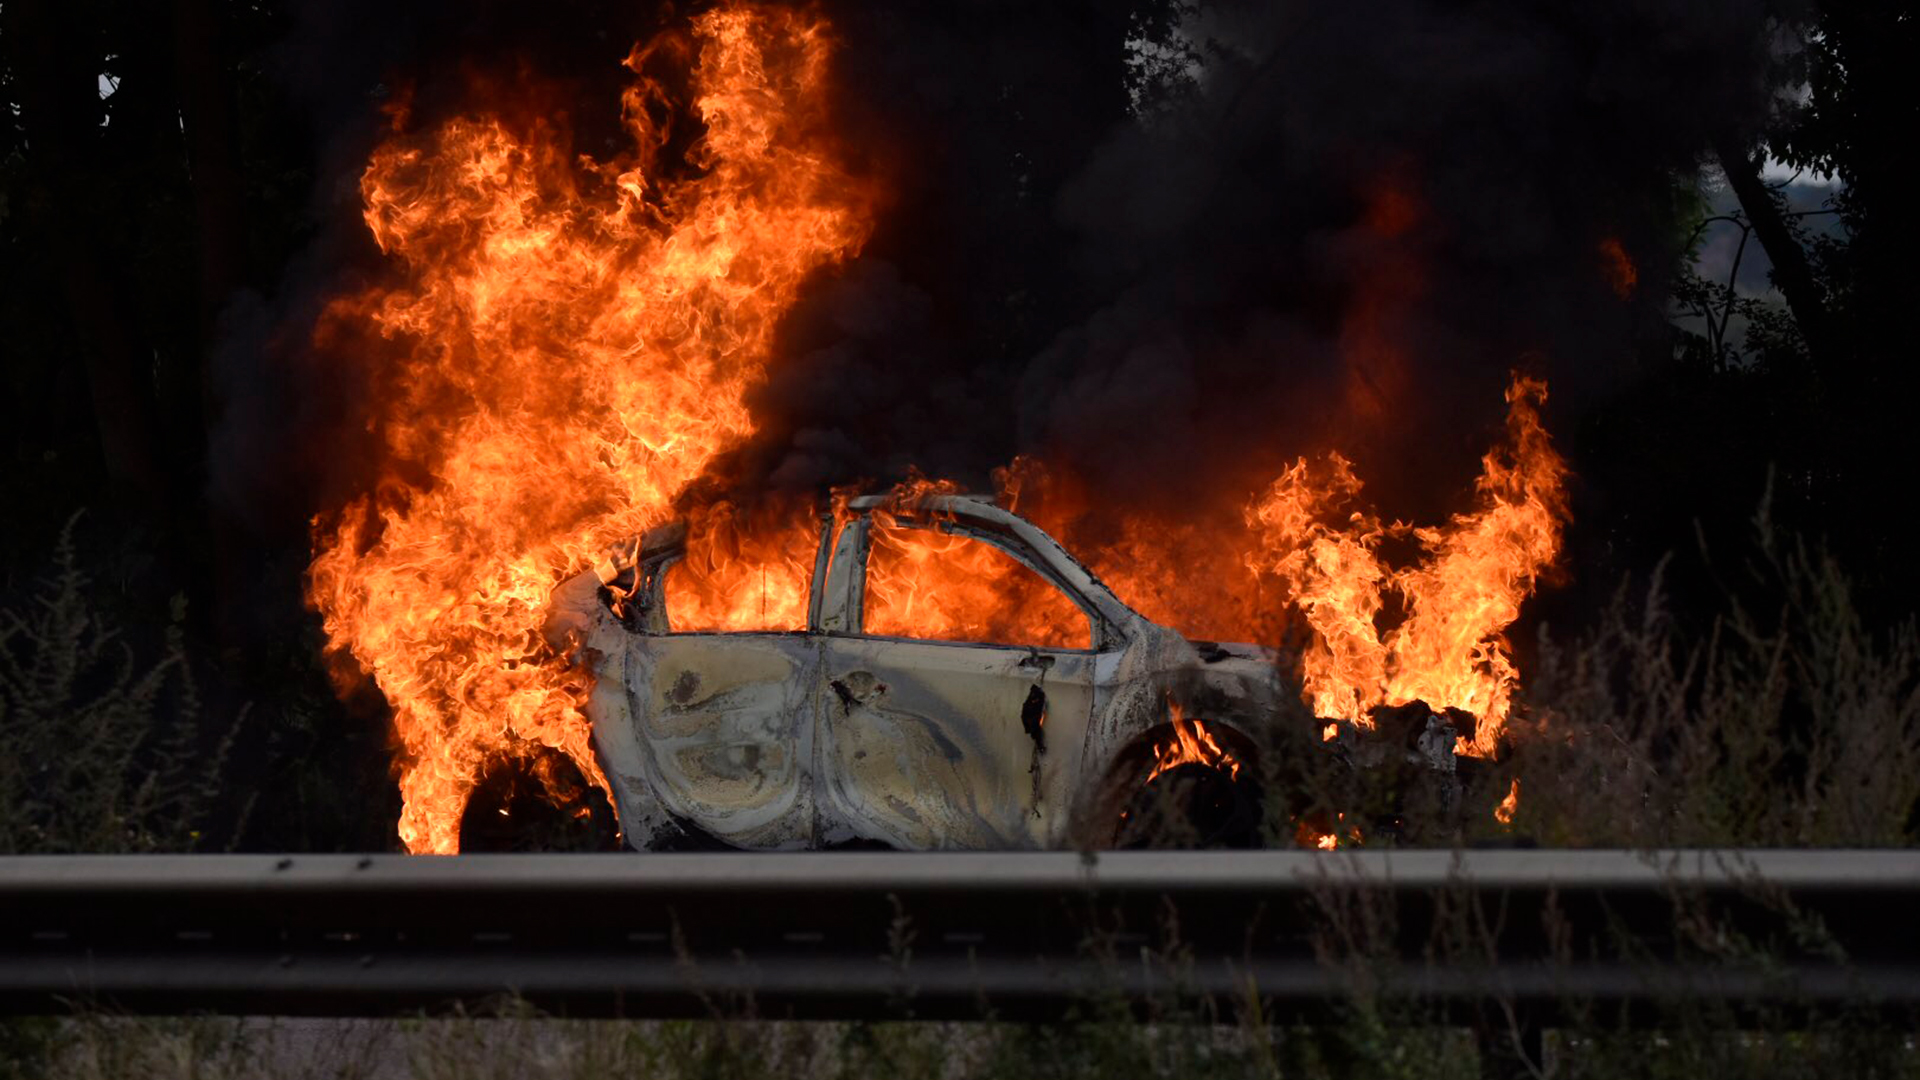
x: 1166, y: 282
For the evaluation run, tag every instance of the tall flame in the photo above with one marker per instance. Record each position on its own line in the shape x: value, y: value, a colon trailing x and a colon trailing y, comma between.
x: 1449, y: 651
x: 573, y: 343
x: 1333, y: 575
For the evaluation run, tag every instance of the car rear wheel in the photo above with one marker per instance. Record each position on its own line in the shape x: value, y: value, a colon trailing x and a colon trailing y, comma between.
x: 1191, y: 806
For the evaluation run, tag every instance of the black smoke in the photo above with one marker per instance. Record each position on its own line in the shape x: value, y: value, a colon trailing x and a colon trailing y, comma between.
x: 1167, y: 298
x: 1345, y: 232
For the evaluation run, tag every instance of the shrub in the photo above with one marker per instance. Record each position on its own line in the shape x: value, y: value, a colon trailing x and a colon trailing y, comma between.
x: 104, y: 752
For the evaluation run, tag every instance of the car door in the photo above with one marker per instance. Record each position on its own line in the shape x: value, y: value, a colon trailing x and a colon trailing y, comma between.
x: 727, y: 722
x: 955, y: 703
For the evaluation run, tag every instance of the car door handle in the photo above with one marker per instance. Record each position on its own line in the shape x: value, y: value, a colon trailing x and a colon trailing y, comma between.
x: 1035, y: 661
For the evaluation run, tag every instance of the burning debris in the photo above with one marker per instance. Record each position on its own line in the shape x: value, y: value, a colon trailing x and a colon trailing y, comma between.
x: 917, y: 706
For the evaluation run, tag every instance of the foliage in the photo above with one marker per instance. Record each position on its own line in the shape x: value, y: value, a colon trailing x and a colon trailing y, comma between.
x: 1786, y: 724
x: 1369, y: 1040
x: 104, y: 750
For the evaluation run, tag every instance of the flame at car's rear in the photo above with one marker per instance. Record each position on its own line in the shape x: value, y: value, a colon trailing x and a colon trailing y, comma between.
x: 575, y: 338
x: 1449, y: 651
x: 1309, y: 546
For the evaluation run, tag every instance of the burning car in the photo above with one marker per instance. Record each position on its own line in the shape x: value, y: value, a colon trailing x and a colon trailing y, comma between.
x: 845, y: 732
x: 566, y: 350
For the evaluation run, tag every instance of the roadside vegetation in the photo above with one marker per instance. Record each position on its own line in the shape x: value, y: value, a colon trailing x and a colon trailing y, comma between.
x: 1785, y: 720
x: 1167, y: 1039
x: 104, y: 747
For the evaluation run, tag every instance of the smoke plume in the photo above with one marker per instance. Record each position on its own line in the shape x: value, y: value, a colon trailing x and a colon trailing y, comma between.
x: 1318, y: 226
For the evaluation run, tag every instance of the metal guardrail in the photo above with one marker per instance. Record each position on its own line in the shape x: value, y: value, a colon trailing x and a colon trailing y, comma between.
x: 1015, y: 935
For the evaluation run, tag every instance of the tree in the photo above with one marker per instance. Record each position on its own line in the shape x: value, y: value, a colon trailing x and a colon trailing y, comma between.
x: 57, y: 59
x: 1856, y: 123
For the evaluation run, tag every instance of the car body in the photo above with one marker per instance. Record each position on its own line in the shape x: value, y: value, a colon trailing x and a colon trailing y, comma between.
x: 831, y: 736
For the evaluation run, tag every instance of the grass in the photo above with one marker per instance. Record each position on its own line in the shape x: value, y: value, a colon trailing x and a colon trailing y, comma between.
x: 524, y: 1046
x: 1793, y: 724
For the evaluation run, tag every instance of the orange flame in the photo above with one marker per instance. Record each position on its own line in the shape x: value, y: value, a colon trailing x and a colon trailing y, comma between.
x: 1504, y: 812
x: 1140, y: 554
x: 1190, y: 744
x: 738, y: 575
x: 1332, y: 576
x: 1617, y: 266
x: 574, y: 340
x: 1308, y: 836
x: 1449, y: 651
x: 1307, y: 543
x: 928, y: 583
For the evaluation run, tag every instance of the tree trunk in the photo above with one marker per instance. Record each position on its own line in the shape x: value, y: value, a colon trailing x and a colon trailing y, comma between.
x: 1791, y: 270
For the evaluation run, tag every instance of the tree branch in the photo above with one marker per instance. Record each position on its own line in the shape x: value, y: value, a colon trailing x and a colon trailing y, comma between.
x: 1791, y: 270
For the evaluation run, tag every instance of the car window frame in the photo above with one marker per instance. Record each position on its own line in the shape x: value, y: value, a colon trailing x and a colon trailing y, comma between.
x: 1099, y: 634
x: 831, y: 600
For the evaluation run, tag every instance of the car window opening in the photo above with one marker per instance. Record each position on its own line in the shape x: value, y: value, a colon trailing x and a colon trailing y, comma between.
x: 731, y: 581
x: 944, y: 586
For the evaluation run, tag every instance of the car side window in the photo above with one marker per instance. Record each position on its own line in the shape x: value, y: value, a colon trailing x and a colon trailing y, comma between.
x: 727, y: 584
x: 939, y: 586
